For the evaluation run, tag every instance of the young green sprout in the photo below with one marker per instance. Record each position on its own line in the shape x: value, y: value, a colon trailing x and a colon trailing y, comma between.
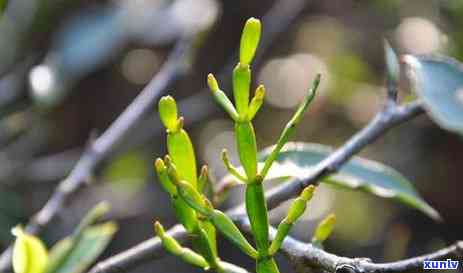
x: 177, y: 172
x: 324, y: 230
x: 243, y: 112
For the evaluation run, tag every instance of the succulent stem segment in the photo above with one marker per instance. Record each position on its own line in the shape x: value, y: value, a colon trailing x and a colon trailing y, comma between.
x: 243, y: 112
x: 177, y: 174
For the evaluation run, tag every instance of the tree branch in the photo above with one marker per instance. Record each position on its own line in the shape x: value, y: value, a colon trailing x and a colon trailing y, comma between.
x: 308, y: 255
x: 99, y: 149
x: 391, y: 115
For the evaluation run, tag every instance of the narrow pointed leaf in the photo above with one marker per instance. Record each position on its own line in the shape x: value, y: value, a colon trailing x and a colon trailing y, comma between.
x: 297, y: 159
x: 438, y: 82
x: 91, y: 244
x: 392, y: 63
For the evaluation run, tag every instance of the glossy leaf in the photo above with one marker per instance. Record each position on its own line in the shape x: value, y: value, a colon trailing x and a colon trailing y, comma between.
x: 250, y: 40
x: 297, y: 159
x: 91, y: 244
x: 29, y: 253
x: 438, y: 82
x: 392, y: 63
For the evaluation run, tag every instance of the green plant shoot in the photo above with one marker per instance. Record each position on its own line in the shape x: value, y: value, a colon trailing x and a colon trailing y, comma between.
x: 177, y: 173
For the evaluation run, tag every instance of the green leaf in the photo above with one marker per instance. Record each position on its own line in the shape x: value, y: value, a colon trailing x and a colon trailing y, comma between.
x: 297, y: 159
x: 438, y: 82
x: 392, y: 63
x: 91, y: 244
x: 250, y: 40
x: 29, y: 253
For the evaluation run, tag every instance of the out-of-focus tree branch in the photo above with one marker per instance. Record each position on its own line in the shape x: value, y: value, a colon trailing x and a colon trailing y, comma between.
x: 100, y: 148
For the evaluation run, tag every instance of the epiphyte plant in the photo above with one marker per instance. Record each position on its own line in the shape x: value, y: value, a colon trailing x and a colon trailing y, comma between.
x: 178, y: 175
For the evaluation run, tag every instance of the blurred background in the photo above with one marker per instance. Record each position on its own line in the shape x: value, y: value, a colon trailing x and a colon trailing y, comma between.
x: 70, y: 67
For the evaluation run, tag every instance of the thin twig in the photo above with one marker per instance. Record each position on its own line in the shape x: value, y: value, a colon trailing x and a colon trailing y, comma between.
x: 100, y: 148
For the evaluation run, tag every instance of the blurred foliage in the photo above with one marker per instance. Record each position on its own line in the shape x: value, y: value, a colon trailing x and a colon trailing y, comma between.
x: 127, y: 172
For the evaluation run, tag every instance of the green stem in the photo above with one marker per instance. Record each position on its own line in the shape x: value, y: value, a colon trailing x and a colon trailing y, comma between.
x: 256, y: 208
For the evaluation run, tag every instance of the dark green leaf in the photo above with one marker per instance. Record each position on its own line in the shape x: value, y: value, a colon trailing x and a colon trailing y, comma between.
x: 296, y: 159
x: 438, y: 82
x: 392, y: 63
